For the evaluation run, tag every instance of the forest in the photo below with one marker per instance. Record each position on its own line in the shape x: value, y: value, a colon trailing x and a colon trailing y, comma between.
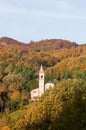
x: 60, y: 108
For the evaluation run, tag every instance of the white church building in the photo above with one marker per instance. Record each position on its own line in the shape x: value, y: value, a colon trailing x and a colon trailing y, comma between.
x: 36, y: 93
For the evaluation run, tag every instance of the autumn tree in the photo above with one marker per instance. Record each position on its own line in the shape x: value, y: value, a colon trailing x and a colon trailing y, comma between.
x: 62, y: 105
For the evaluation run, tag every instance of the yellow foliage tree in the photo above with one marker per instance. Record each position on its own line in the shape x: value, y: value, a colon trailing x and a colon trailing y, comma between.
x: 5, y: 128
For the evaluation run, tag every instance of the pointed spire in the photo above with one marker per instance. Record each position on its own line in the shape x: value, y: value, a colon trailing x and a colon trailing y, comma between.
x: 41, y: 69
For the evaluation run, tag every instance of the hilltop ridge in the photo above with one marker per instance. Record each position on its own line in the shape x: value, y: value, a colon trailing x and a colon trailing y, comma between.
x: 46, y: 45
x: 52, y: 44
x: 10, y: 41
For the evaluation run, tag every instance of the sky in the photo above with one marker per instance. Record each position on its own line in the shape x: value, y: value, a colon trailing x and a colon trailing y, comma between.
x: 35, y: 20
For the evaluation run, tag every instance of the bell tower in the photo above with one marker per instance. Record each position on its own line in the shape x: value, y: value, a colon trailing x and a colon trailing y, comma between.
x: 41, y: 81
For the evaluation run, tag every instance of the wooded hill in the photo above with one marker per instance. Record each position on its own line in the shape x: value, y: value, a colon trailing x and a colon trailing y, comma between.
x: 64, y: 64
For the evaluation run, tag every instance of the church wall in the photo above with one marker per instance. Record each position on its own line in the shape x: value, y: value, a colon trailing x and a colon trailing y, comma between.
x: 49, y: 85
x: 34, y: 94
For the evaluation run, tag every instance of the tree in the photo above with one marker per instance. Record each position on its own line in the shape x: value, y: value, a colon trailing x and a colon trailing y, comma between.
x: 60, y: 108
x: 5, y: 128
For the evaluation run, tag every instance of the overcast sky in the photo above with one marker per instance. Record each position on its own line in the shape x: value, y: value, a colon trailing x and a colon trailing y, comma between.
x: 27, y: 20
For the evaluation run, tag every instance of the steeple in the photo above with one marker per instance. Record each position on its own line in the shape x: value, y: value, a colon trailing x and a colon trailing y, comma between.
x: 41, y: 69
x: 41, y: 81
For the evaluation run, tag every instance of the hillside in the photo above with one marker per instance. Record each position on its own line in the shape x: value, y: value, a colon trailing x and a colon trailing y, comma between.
x: 46, y: 45
x: 53, y: 44
x: 63, y: 61
x: 9, y: 41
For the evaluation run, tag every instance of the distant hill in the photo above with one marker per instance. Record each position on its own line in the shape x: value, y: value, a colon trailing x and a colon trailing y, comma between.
x: 53, y: 44
x: 46, y: 45
x: 9, y: 41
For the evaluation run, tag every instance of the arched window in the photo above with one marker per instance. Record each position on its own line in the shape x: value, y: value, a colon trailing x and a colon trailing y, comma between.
x: 41, y: 76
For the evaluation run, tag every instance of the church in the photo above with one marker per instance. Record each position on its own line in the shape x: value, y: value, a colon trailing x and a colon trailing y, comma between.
x: 36, y: 93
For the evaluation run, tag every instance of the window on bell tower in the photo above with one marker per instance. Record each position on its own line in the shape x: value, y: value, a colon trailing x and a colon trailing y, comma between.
x: 41, y: 76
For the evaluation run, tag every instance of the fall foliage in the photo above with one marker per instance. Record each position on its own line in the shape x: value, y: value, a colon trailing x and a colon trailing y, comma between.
x: 65, y: 65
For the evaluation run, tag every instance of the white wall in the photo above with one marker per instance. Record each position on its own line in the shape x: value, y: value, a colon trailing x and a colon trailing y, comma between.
x: 49, y: 85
